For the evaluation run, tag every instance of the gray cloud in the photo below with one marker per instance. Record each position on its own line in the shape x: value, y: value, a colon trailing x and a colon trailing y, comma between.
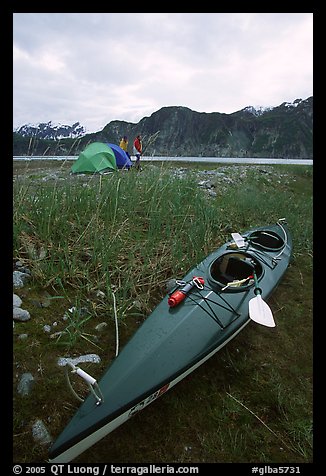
x: 94, y: 68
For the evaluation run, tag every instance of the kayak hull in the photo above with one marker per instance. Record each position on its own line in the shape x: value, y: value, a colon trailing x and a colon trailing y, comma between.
x: 174, y: 341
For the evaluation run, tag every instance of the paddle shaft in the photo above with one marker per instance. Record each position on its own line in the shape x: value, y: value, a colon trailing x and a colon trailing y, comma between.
x: 257, y: 288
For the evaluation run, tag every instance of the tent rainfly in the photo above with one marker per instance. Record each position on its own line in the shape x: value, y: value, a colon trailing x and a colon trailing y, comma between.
x: 122, y: 159
x: 96, y: 157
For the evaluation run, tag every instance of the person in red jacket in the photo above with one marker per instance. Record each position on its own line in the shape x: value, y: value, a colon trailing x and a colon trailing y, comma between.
x: 137, y: 151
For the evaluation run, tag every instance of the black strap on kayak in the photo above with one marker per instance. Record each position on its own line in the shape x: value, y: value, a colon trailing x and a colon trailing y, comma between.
x: 213, y: 314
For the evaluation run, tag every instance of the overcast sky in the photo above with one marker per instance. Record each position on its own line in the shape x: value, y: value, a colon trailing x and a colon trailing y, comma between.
x: 98, y: 67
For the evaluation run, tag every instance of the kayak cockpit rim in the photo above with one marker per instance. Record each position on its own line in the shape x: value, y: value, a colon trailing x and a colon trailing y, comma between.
x: 233, y: 271
x: 266, y: 240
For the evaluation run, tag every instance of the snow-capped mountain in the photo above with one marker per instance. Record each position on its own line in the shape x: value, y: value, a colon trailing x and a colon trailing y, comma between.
x: 257, y: 110
x: 49, y: 130
x: 260, y: 110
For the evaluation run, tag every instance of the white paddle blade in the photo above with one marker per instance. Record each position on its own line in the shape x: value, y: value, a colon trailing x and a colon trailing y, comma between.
x: 260, y: 312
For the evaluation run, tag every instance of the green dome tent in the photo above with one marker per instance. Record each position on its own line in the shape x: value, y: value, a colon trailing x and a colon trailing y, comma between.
x: 96, y: 157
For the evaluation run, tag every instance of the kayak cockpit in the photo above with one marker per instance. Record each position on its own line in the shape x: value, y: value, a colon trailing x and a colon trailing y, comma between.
x: 234, y: 271
x: 266, y: 240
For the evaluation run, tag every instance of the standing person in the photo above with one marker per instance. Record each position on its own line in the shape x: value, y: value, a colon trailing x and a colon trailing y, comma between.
x: 138, y: 151
x: 124, y: 145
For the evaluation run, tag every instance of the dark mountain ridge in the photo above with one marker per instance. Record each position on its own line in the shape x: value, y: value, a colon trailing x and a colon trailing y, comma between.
x: 283, y: 131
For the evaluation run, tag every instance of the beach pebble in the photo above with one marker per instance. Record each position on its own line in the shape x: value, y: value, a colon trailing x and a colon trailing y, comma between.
x: 41, y: 433
x: 19, y: 279
x: 17, y: 302
x: 25, y: 384
x: 94, y: 358
x: 101, y: 326
x: 20, y: 314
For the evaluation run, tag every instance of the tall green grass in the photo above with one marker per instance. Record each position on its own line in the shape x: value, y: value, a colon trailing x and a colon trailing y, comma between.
x: 127, y: 234
x: 137, y: 230
x: 120, y: 227
x: 130, y: 233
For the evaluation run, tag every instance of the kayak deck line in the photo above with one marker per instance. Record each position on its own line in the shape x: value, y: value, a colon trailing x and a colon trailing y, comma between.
x: 212, y: 314
x: 175, y: 340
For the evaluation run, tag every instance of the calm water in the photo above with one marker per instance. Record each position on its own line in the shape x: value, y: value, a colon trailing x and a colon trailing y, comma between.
x: 207, y: 160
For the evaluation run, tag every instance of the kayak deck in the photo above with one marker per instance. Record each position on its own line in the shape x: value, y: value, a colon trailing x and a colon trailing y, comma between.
x: 172, y: 342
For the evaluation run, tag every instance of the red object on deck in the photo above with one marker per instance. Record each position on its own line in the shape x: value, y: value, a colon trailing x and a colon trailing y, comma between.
x: 178, y: 296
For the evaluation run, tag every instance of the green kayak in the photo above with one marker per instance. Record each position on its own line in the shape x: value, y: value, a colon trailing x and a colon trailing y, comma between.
x: 201, y: 314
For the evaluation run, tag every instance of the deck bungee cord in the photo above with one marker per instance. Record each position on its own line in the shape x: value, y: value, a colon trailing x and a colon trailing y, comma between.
x: 198, y: 295
x: 211, y: 314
